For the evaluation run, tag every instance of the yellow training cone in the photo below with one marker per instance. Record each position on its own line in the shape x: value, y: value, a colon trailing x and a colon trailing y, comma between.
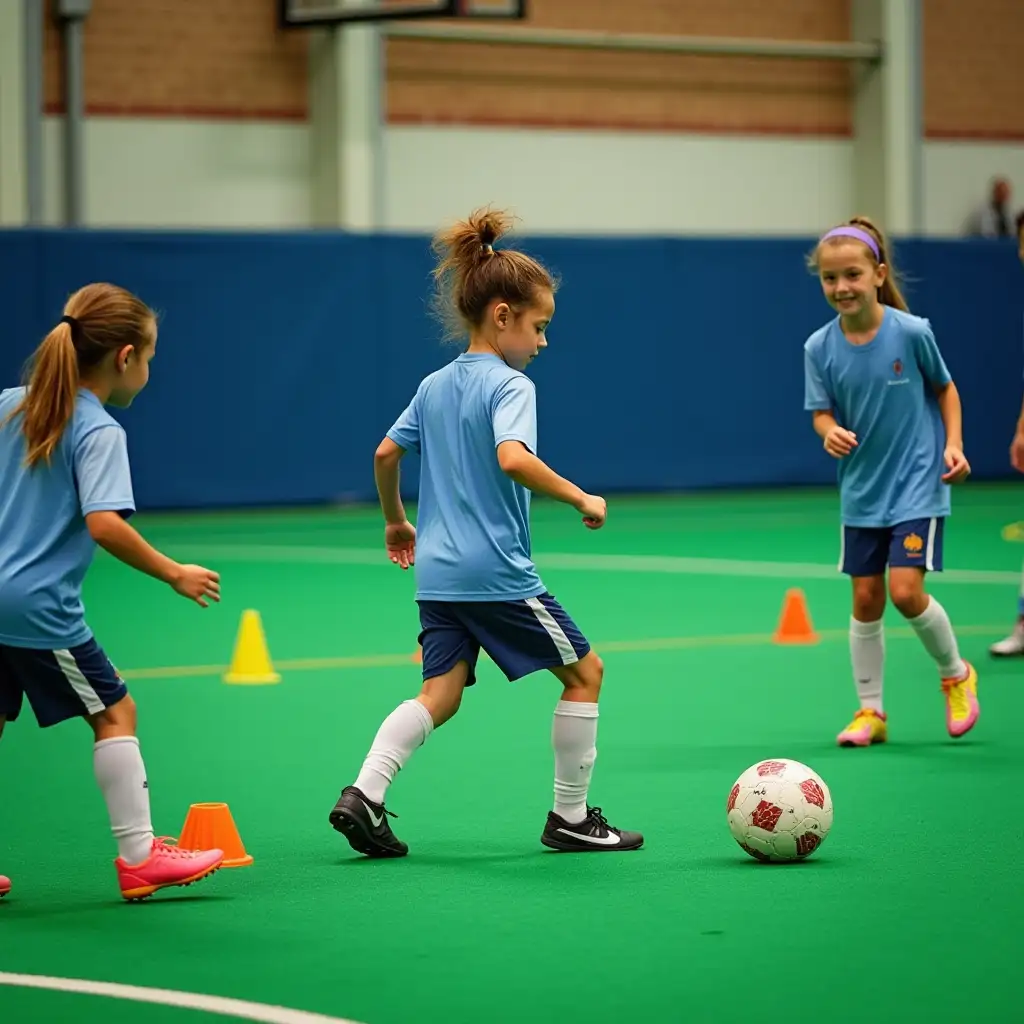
x: 250, y: 664
x: 1013, y: 532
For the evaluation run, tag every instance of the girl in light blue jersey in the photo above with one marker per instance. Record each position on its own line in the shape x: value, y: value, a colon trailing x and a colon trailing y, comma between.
x: 66, y: 488
x: 884, y: 404
x: 1012, y: 646
x: 474, y: 425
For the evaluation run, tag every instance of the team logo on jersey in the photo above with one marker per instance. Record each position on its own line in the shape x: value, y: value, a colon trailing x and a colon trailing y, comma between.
x: 912, y: 544
x: 897, y: 367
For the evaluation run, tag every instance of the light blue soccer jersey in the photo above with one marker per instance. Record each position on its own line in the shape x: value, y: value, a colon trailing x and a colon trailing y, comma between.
x: 473, y: 523
x: 884, y: 392
x: 45, y: 546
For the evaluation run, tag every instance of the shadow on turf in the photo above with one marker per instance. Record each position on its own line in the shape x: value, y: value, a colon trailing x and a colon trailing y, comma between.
x: 747, y: 863
x: 446, y: 860
x: 25, y: 909
x: 731, y: 760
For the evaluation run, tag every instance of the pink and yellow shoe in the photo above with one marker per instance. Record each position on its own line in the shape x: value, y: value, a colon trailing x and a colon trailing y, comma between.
x: 165, y: 866
x: 868, y: 726
x: 962, y: 707
x: 5, y: 886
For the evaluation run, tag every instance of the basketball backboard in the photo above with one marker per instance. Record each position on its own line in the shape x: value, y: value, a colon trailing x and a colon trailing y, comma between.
x: 313, y: 13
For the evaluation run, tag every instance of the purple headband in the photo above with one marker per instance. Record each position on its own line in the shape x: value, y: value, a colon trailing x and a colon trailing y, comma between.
x: 849, y: 231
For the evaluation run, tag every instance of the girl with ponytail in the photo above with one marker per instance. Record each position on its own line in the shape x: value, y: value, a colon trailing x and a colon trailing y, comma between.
x: 65, y: 486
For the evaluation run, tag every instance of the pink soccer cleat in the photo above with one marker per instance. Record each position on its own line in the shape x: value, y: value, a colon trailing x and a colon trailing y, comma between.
x: 5, y: 886
x: 165, y: 866
x: 962, y: 708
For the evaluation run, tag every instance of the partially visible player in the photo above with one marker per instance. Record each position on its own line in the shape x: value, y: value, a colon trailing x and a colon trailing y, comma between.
x: 474, y: 425
x: 885, y: 405
x: 1013, y: 645
x: 66, y: 488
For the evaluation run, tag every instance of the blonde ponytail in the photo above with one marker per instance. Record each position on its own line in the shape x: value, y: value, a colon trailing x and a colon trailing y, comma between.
x: 98, y: 319
x: 50, y: 398
x: 889, y: 294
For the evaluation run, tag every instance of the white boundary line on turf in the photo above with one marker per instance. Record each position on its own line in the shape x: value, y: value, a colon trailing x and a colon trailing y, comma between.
x: 168, y: 997
x: 576, y: 561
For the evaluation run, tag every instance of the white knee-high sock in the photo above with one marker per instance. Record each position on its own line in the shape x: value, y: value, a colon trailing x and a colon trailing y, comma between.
x: 400, y: 734
x: 574, y: 738
x: 936, y: 633
x: 867, y: 653
x: 121, y: 776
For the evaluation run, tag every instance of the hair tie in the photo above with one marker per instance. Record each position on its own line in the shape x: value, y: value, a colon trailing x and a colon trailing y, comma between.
x: 488, y: 249
x: 851, y: 231
x: 71, y: 322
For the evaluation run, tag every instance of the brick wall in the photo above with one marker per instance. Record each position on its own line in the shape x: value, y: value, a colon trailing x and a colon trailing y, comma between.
x: 227, y: 58
x: 188, y: 58
x: 974, y: 69
x: 512, y: 85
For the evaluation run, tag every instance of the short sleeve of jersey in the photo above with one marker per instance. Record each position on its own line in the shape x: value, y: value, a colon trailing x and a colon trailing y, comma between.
x: 816, y: 396
x: 406, y: 430
x: 514, y: 413
x: 929, y: 359
x: 103, y: 473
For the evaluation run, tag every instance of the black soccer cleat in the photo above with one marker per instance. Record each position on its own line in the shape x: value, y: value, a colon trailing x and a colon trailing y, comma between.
x: 593, y: 834
x: 365, y: 825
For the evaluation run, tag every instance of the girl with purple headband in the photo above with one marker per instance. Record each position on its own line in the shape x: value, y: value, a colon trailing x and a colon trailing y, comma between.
x: 885, y: 405
x: 1012, y: 646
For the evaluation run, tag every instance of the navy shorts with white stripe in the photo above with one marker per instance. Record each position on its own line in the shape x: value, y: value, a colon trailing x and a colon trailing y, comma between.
x: 867, y: 550
x: 64, y: 684
x: 520, y: 636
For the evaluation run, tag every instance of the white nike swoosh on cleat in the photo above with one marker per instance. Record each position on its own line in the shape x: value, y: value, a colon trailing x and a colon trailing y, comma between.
x: 609, y: 840
x: 373, y: 817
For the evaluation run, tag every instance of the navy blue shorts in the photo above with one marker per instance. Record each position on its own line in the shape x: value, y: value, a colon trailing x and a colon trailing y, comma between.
x: 519, y: 636
x: 59, y: 684
x: 867, y: 550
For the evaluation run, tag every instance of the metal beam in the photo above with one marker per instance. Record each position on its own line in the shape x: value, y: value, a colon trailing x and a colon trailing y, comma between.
x: 718, y: 46
x: 33, y: 14
x: 72, y: 14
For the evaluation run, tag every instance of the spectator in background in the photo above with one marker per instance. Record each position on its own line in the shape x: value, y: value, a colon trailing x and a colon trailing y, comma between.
x: 1013, y: 645
x: 995, y: 218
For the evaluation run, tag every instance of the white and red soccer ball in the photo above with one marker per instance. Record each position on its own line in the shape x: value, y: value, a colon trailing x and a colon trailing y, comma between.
x: 779, y: 810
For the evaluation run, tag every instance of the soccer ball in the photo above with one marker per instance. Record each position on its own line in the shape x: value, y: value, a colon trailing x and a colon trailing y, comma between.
x: 779, y: 810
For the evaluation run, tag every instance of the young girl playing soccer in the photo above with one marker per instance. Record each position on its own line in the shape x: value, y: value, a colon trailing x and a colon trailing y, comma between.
x: 884, y: 404
x: 66, y: 488
x: 1012, y: 646
x: 474, y: 426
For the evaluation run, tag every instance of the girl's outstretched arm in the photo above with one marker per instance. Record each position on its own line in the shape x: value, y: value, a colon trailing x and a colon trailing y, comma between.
x: 125, y: 543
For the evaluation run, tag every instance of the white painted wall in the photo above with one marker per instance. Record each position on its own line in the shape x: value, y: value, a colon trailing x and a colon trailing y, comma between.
x: 583, y: 182
x: 250, y: 175
x: 956, y: 180
x: 187, y: 174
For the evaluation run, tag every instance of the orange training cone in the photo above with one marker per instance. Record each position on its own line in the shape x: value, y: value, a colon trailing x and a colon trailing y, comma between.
x: 417, y: 656
x: 250, y: 664
x: 211, y: 827
x: 795, y: 621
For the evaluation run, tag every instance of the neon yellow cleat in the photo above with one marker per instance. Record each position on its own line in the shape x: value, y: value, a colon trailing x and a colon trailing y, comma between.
x: 868, y: 726
x: 962, y: 707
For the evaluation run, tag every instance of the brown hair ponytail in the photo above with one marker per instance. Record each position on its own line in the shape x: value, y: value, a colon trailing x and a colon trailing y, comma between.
x: 471, y: 273
x: 98, y: 319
